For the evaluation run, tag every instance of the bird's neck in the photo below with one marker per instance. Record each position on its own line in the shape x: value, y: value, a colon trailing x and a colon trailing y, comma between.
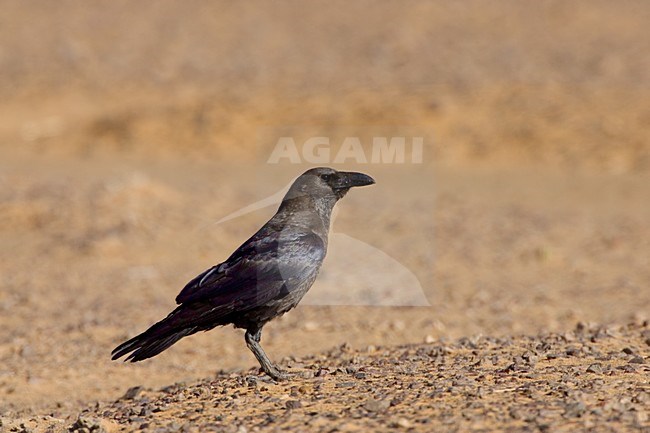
x: 306, y: 212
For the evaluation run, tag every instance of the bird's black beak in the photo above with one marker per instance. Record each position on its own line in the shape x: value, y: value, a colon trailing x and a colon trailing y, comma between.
x: 349, y: 179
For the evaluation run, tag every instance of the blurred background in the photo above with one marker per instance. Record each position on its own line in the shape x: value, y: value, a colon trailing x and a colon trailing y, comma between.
x: 127, y: 129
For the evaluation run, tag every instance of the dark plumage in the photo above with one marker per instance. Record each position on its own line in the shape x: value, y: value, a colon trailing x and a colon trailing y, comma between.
x: 264, y: 278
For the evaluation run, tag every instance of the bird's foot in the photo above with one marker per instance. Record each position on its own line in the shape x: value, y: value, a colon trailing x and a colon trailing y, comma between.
x: 276, y: 374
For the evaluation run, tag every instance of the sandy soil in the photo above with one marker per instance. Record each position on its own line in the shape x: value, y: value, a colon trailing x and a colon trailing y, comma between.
x: 125, y: 135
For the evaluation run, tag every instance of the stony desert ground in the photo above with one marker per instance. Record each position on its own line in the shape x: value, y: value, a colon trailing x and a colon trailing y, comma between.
x: 503, y: 284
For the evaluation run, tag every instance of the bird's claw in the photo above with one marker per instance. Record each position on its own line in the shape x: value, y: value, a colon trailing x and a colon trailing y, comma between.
x: 277, y: 374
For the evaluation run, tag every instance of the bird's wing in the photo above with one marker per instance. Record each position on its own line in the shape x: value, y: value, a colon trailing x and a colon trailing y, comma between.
x: 257, y: 271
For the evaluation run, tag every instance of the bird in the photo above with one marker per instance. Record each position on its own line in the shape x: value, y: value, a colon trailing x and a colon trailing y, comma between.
x: 262, y: 279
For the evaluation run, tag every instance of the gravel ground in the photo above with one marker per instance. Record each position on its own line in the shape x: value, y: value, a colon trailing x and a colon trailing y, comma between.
x: 594, y: 378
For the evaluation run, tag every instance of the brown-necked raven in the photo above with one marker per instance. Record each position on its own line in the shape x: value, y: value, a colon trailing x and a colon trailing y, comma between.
x: 264, y: 278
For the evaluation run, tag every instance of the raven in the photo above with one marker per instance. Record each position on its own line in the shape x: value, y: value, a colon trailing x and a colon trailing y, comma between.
x: 264, y: 278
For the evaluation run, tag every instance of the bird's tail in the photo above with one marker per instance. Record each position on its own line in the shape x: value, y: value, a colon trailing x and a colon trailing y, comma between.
x: 154, y: 340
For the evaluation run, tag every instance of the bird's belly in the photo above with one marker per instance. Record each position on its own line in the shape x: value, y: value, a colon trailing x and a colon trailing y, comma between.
x: 292, y: 292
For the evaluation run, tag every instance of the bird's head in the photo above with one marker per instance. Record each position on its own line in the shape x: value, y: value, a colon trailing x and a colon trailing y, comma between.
x: 322, y: 187
x: 327, y: 183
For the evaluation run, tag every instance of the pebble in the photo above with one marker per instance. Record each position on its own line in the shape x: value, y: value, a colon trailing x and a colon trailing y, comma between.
x: 87, y: 425
x: 403, y: 422
x: 375, y: 405
x: 572, y: 351
x: 595, y: 368
x: 293, y: 404
x: 574, y: 410
x: 132, y: 393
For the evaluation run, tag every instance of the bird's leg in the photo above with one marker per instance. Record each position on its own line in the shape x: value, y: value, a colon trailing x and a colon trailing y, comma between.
x: 253, y: 338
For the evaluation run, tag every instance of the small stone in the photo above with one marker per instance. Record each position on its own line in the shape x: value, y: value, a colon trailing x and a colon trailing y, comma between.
x: 293, y: 404
x: 628, y: 350
x: 24, y: 429
x: 85, y: 424
x: 131, y: 393
x: 626, y: 368
x: 403, y: 422
x: 374, y: 405
x: 642, y: 398
x: 637, y: 360
x: 322, y: 372
x: 572, y: 351
x: 145, y: 411
x: 595, y: 368
x: 574, y: 410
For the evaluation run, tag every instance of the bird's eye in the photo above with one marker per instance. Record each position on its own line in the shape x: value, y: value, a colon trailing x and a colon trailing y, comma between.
x: 326, y: 177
